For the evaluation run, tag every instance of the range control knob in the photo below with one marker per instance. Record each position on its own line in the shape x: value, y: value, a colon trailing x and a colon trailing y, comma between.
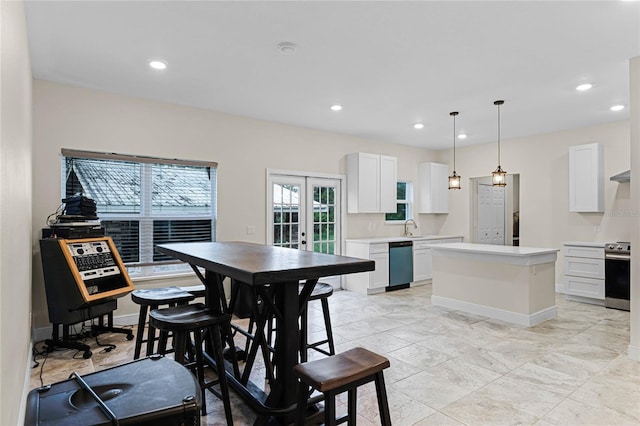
x: 611, y: 246
x: 619, y: 247
x: 80, y: 251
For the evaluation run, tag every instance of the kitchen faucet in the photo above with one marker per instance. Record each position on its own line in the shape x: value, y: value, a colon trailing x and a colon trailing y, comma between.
x: 407, y: 233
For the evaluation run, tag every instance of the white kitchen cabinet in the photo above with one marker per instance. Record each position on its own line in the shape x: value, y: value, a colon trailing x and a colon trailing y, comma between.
x: 369, y: 282
x: 422, y: 260
x: 584, y: 272
x: 433, y: 181
x: 586, y: 178
x: 371, y: 183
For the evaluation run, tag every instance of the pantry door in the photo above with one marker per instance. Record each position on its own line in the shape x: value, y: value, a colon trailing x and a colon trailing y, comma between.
x: 304, y: 212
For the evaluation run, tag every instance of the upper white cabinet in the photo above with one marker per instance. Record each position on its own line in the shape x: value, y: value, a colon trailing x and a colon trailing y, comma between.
x: 433, y: 181
x: 586, y: 178
x: 371, y: 183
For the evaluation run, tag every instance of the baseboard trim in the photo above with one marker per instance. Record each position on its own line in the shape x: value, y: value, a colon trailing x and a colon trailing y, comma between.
x: 43, y: 333
x: 634, y: 352
x: 495, y: 313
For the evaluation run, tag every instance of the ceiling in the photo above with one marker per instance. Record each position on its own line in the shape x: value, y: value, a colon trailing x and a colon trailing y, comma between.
x: 389, y: 63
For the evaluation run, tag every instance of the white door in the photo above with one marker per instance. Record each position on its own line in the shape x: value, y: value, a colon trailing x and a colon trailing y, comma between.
x: 305, y: 213
x: 491, y: 205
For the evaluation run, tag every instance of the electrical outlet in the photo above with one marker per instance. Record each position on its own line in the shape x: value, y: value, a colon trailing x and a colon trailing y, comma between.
x: 251, y: 230
x: 597, y: 228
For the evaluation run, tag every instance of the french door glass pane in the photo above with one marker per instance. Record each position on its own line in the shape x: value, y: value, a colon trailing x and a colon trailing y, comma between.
x: 286, y: 221
x: 324, y: 219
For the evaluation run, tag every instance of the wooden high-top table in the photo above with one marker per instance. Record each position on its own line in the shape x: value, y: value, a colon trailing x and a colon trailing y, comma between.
x: 282, y: 269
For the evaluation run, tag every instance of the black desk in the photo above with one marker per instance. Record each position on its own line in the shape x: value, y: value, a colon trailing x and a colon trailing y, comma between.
x: 282, y: 269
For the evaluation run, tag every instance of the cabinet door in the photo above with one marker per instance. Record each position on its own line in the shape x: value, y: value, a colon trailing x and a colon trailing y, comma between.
x: 434, y: 188
x: 388, y: 183
x: 380, y: 276
x: 368, y: 183
x: 422, y: 264
x: 586, y: 178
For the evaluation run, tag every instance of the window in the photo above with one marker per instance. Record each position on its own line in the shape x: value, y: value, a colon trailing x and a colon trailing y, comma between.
x: 142, y: 202
x: 404, y: 207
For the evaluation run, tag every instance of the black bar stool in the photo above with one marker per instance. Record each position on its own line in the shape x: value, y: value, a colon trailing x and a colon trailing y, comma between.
x: 198, y: 290
x: 322, y: 292
x: 198, y: 320
x: 150, y: 299
x: 340, y: 373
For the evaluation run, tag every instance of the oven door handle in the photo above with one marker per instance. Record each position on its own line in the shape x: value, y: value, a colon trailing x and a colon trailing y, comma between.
x: 617, y: 257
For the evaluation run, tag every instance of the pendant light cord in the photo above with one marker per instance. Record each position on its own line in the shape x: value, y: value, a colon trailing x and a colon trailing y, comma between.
x: 498, y: 104
x: 498, y: 134
x: 454, y: 143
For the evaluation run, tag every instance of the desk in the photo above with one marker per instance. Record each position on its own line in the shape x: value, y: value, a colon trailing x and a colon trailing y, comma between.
x: 282, y: 269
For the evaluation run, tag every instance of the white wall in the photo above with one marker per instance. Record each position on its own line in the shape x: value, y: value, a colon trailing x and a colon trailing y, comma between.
x: 78, y: 118
x: 542, y: 163
x: 634, y: 79
x: 15, y: 213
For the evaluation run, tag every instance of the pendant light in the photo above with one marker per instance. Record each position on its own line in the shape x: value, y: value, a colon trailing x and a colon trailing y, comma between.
x: 454, y: 179
x: 499, y: 176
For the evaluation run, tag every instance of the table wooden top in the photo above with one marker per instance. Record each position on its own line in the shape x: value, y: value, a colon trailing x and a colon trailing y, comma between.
x: 259, y: 264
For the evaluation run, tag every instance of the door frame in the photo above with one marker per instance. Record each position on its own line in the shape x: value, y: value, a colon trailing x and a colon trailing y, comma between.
x: 509, y: 205
x: 270, y: 173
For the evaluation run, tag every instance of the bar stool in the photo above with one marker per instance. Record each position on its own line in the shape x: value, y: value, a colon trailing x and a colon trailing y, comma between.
x: 198, y: 290
x: 340, y: 373
x: 150, y: 299
x: 196, y: 319
x: 322, y: 292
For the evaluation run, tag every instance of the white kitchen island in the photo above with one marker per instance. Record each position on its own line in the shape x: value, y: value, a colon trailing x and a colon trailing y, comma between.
x: 512, y: 284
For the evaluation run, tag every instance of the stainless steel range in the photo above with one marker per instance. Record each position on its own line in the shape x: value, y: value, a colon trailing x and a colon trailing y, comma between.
x: 617, y: 275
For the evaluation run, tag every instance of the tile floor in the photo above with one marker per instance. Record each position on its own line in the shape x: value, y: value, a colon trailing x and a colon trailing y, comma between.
x: 451, y: 368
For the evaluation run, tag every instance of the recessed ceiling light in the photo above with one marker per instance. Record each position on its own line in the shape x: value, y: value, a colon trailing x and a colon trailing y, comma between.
x: 157, y: 64
x: 336, y: 107
x: 287, y: 48
x: 462, y: 136
x: 583, y: 87
x: 617, y: 108
x: 418, y: 126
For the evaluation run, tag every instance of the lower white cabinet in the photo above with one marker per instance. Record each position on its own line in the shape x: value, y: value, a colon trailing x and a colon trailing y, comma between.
x: 584, y: 272
x: 422, y: 259
x: 376, y: 280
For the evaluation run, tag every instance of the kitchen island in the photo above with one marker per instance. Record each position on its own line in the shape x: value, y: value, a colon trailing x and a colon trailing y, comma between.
x: 512, y: 284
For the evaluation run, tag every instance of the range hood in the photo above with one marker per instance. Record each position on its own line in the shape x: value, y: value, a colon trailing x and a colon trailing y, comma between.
x: 622, y: 177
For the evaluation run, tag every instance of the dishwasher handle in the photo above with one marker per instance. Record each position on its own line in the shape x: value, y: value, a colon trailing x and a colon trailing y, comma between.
x: 394, y: 244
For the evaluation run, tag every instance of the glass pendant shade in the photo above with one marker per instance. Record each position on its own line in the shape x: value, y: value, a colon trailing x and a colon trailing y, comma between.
x: 454, y: 179
x: 499, y: 176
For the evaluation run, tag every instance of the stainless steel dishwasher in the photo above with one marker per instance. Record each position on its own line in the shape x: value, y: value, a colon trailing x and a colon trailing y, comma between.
x: 400, y: 264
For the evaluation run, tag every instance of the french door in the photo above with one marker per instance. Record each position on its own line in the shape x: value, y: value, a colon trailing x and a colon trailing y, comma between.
x: 305, y: 213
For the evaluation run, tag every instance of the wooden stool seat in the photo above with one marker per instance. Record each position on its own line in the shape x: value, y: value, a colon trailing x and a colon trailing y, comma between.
x: 196, y: 318
x: 339, y: 373
x: 197, y: 290
x: 150, y: 299
x: 320, y: 291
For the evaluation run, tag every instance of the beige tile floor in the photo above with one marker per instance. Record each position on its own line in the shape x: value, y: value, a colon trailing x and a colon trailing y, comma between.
x: 451, y: 368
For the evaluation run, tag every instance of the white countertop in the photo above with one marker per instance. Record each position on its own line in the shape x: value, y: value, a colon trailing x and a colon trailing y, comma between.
x: 370, y: 240
x: 584, y: 244
x: 496, y: 253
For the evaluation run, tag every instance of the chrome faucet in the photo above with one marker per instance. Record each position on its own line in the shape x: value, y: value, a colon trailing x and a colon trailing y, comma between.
x: 408, y: 233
